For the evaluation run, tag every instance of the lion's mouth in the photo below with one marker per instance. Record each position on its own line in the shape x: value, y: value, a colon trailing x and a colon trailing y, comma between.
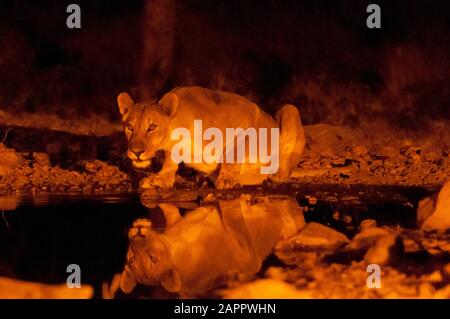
x: 141, y: 164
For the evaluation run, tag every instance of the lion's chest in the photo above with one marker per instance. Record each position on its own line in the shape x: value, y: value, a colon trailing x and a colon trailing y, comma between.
x: 200, y: 145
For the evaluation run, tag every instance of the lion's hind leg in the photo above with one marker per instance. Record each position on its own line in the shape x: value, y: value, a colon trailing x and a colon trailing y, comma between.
x: 292, y: 140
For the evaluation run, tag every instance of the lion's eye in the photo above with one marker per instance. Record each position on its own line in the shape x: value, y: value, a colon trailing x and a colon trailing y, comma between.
x: 153, y: 258
x: 130, y: 127
x: 152, y: 127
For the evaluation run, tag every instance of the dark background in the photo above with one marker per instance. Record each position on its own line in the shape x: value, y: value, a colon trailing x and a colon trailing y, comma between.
x: 318, y: 55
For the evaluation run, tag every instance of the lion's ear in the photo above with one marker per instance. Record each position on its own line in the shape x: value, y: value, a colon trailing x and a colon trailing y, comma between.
x: 171, y: 280
x: 127, y: 281
x: 169, y: 104
x: 125, y: 103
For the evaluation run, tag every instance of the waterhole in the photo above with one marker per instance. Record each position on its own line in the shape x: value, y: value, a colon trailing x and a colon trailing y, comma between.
x: 40, y: 235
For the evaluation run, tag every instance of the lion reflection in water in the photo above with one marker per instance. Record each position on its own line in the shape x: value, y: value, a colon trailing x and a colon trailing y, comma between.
x: 203, y: 249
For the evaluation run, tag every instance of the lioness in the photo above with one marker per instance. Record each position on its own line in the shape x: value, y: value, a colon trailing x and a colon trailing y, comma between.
x: 149, y: 125
x: 199, y: 251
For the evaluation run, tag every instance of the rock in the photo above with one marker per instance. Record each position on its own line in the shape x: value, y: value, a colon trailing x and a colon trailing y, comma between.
x: 315, y: 235
x: 412, y: 246
x: 386, y: 251
x: 311, y: 200
x: 368, y: 223
x: 426, y: 290
x: 443, y: 293
x: 277, y: 273
x: 359, y: 150
x: 339, y: 161
x: 433, y: 212
x: 347, y: 219
x: 446, y: 272
x: 411, y: 151
x: 41, y: 158
x: 388, y: 151
x: 17, y: 289
x: 366, y: 238
x: 434, y: 277
x: 10, y: 159
x: 416, y: 158
x: 431, y: 155
x: 265, y: 289
x: 93, y: 166
x: 361, y: 243
x: 90, y: 166
x: 336, y: 215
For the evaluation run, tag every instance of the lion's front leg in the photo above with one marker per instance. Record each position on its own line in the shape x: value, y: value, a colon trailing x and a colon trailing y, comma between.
x: 165, y: 178
x: 158, y: 180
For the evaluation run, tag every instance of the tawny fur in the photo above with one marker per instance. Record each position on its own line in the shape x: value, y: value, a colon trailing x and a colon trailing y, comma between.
x: 180, y: 107
x: 209, y: 244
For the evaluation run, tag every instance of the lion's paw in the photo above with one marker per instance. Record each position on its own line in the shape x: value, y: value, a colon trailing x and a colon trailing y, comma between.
x: 158, y: 181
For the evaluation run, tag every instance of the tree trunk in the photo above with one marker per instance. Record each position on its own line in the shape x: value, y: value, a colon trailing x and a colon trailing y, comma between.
x: 158, y: 43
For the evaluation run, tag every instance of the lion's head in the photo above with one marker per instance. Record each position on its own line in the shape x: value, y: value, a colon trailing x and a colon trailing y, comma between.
x: 146, y: 126
x: 148, y: 260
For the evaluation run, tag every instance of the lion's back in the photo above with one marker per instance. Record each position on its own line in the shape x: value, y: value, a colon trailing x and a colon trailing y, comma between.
x: 198, y: 96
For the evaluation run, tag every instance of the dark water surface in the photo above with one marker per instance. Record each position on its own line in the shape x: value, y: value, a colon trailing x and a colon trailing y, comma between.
x: 41, y: 235
x: 44, y: 234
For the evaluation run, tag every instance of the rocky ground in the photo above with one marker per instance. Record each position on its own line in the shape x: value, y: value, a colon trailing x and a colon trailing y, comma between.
x: 372, y: 156
x: 43, y: 160
x: 323, y: 263
x: 34, y: 173
x: 336, y: 155
x: 319, y: 262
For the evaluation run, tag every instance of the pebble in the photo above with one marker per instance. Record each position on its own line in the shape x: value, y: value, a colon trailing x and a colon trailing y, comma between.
x: 347, y: 219
x: 311, y: 200
x: 41, y: 158
x: 359, y: 150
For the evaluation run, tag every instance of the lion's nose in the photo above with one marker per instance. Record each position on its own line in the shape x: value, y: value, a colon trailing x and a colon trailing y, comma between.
x: 137, y: 152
